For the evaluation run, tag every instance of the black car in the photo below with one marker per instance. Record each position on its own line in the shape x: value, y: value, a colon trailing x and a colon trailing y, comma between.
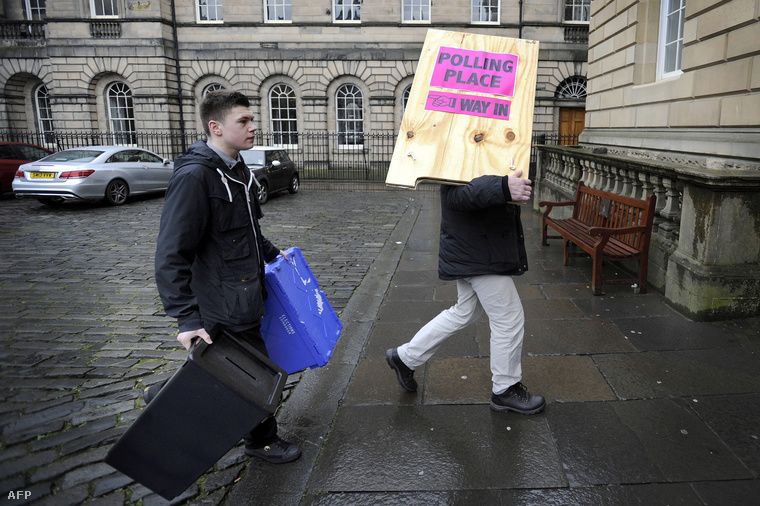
x: 274, y: 170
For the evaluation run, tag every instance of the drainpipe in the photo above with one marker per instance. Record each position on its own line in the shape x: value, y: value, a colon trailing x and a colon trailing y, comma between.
x: 520, y: 21
x: 179, y: 79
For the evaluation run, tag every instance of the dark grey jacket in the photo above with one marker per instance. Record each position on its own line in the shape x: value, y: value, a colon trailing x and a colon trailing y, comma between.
x: 481, y: 233
x: 210, y: 253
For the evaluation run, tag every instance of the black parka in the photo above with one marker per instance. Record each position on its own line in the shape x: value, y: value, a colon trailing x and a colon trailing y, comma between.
x: 210, y: 252
x: 481, y: 233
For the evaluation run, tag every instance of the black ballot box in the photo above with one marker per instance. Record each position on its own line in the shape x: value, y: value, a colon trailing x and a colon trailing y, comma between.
x: 221, y: 392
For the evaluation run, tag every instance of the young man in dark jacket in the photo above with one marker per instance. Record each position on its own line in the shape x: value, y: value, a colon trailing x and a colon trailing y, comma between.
x: 481, y: 247
x: 210, y: 254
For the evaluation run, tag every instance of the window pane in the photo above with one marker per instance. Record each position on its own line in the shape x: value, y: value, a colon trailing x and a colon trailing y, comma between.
x: 210, y: 10
x: 571, y: 88
x: 405, y: 98
x: 577, y: 10
x: 485, y: 11
x: 347, y: 10
x: 44, y: 113
x: 121, y: 112
x: 416, y: 10
x: 282, y: 108
x: 105, y: 8
x: 350, y: 115
x: 279, y: 10
x: 212, y: 87
x: 671, y: 45
x: 672, y: 28
x: 670, y: 57
x: 35, y: 9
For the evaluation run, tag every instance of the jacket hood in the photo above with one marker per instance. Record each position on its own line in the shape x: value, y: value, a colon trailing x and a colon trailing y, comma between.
x: 199, y: 153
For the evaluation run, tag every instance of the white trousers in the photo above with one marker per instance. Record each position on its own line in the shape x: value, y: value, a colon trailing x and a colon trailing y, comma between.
x: 496, y: 295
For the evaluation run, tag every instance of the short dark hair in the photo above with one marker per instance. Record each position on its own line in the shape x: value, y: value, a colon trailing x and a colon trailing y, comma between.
x: 217, y: 104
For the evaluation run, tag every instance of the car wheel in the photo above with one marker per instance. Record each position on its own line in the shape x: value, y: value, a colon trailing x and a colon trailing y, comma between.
x: 295, y: 183
x: 263, y: 192
x: 117, y: 192
x: 50, y: 201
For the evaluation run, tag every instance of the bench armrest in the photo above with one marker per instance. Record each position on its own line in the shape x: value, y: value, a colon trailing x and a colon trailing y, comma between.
x: 555, y: 204
x: 550, y: 205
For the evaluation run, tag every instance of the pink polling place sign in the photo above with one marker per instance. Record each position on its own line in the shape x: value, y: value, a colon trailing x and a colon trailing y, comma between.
x: 478, y: 71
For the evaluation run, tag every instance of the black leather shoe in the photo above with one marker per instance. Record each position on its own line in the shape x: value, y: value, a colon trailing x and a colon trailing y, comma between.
x: 277, y: 452
x: 518, y: 399
x: 403, y: 373
x: 149, y: 393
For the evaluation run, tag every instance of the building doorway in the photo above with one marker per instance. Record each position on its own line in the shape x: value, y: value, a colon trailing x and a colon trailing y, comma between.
x: 571, y: 123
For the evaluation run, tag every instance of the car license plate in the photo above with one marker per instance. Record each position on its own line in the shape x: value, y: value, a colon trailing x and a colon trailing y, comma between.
x: 42, y: 175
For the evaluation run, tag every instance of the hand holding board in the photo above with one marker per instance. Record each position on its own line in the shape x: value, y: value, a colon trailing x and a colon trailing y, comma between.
x: 470, y: 111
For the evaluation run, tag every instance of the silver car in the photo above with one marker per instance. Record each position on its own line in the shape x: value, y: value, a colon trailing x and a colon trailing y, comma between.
x: 110, y: 173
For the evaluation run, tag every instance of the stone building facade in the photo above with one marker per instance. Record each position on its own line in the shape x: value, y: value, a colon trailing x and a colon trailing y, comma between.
x: 673, y: 109
x: 306, y: 65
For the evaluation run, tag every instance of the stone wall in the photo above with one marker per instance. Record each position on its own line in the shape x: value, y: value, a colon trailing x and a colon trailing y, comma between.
x: 718, y: 87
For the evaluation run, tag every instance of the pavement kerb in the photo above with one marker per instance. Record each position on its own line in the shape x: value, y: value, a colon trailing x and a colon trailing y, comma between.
x: 314, y: 402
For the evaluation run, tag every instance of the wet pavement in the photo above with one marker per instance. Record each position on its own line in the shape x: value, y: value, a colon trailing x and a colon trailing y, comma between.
x: 644, y: 406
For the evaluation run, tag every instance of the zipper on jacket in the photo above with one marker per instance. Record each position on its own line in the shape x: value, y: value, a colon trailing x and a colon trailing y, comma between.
x: 247, y: 192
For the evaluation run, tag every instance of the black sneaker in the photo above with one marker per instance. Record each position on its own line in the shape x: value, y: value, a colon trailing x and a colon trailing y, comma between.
x: 403, y: 373
x: 149, y: 393
x: 517, y: 398
x: 277, y: 452
x: 152, y: 391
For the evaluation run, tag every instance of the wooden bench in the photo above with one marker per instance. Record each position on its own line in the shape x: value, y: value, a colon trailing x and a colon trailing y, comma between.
x: 608, y: 227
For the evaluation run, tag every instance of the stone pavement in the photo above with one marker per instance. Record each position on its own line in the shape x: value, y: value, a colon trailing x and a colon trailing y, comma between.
x: 644, y: 406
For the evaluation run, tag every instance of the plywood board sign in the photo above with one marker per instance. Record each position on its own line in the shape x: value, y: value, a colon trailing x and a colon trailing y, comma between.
x: 470, y: 111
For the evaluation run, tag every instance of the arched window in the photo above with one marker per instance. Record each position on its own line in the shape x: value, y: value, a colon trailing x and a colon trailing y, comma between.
x: 121, y: 113
x: 283, y: 114
x: 43, y: 112
x: 212, y: 87
x: 571, y: 88
x: 349, y: 114
x: 405, y: 98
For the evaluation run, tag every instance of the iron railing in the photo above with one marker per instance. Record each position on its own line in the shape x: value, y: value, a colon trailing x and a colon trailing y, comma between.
x: 318, y: 155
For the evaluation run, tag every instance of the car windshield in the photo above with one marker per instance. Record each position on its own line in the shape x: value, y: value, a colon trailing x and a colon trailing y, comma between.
x: 253, y: 157
x: 79, y: 155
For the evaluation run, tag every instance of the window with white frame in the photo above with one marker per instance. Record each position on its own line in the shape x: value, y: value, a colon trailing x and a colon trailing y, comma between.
x: 35, y: 9
x: 578, y: 10
x: 573, y: 87
x: 104, y: 8
x: 415, y: 11
x: 283, y: 115
x: 405, y: 98
x: 121, y: 113
x: 670, y: 42
x: 349, y: 115
x: 347, y: 10
x: 42, y: 109
x: 278, y: 10
x: 486, y: 11
x: 212, y: 87
x: 209, y: 11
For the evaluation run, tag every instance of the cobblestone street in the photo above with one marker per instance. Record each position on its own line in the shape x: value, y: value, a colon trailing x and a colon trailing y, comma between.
x: 83, y: 331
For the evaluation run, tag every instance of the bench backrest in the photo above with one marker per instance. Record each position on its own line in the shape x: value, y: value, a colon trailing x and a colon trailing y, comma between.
x: 597, y: 208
